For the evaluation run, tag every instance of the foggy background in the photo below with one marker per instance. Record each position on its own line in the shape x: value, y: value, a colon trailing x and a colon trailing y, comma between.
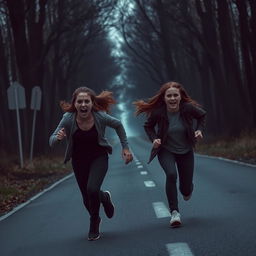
x: 130, y: 48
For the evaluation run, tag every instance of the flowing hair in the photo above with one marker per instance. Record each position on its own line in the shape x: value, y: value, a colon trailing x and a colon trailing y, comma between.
x: 158, y: 100
x: 101, y: 102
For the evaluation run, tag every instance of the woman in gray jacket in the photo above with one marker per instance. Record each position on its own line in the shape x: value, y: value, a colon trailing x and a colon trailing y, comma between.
x: 179, y: 121
x: 83, y: 125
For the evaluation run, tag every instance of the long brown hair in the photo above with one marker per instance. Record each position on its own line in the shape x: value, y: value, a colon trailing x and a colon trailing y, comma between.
x: 102, y: 102
x: 158, y: 100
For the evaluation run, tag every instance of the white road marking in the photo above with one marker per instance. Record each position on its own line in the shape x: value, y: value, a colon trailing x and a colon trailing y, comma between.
x: 228, y: 160
x: 138, y: 163
x: 143, y: 172
x: 140, y: 166
x: 161, y: 210
x: 179, y: 249
x: 149, y: 183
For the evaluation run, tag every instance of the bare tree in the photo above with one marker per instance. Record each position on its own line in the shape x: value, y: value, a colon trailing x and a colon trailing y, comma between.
x: 43, y: 43
x: 202, y: 44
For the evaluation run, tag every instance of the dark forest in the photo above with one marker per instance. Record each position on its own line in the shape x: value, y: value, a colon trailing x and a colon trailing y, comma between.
x: 58, y: 45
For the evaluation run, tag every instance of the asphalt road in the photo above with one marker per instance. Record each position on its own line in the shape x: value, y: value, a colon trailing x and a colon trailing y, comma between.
x: 219, y: 220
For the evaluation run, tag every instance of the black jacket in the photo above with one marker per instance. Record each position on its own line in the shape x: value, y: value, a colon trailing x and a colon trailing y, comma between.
x: 193, y: 118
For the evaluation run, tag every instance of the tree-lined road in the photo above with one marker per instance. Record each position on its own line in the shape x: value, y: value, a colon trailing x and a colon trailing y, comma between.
x: 218, y: 220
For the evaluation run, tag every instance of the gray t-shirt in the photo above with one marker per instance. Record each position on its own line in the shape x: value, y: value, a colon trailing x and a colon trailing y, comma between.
x: 177, y: 141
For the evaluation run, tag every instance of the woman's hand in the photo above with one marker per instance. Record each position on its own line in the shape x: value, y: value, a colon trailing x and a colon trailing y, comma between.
x: 127, y: 156
x: 61, y: 134
x: 156, y: 143
x: 198, y: 134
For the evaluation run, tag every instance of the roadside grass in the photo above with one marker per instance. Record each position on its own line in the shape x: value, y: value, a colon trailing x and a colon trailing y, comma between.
x: 241, y: 148
x: 17, y: 184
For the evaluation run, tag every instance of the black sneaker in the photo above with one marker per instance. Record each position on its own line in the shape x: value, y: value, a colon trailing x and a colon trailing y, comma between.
x: 107, y: 204
x: 94, y: 232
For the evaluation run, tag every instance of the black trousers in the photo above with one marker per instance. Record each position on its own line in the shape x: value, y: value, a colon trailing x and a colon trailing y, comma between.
x: 184, y: 163
x: 90, y: 173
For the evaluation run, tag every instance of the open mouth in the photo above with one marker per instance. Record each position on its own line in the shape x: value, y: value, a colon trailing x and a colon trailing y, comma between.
x: 84, y: 111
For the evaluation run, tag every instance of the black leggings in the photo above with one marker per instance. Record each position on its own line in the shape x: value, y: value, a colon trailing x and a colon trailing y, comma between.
x: 90, y: 174
x: 185, y: 167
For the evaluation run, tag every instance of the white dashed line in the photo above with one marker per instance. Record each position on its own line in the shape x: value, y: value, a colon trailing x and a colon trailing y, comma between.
x: 149, y: 183
x: 161, y: 210
x: 140, y: 166
x: 138, y: 163
x: 179, y: 249
x: 143, y: 172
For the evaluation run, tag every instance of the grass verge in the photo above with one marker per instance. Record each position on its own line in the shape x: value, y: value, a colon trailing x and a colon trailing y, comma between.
x: 241, y: 148
x: 18, y: 185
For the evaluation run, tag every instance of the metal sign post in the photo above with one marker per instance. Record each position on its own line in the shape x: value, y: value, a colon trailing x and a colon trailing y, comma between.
x: 35, y: 105
x: 16, y: 100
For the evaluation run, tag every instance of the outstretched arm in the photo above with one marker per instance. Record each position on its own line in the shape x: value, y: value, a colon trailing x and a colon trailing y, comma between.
x: 200, y: 115
x: 119, y: 128
x: 149, y: 127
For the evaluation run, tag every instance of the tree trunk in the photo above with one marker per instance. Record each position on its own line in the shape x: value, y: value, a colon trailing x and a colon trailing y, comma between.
x: 232, y: 72
x: 166, y: 42
x: 209, y: 43
x: 252, y: 38
x: 17, y: 18
x: 245, y: 48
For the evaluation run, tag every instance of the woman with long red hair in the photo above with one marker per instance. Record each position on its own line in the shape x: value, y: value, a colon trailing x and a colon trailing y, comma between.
x: 83, y: 125
x: 180, y: 121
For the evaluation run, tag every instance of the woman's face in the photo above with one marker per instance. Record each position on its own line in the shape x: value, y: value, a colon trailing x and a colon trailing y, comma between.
x: 172, y: 99
x: 83, y: 105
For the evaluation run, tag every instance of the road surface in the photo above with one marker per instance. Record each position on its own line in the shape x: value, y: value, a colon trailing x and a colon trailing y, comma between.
x: 219, y: 220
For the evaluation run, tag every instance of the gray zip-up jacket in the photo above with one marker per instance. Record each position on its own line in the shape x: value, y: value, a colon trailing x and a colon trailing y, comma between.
x: 101, y: 119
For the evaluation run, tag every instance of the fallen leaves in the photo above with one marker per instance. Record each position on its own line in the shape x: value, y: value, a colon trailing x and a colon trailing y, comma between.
x: 18, y: 185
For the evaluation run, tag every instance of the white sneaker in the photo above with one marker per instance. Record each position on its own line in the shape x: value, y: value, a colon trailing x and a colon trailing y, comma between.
x: 175, y: 219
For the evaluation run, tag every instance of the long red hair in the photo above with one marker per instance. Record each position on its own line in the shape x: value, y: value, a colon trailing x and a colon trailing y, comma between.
x: 102, y: 102
x: 158, y: 100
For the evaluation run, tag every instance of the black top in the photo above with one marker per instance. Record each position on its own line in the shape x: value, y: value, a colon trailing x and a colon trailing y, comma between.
x: 85, y: 144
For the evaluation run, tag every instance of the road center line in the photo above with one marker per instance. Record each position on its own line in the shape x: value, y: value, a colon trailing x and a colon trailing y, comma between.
x: 140, y: 166
x: 149, y: 183
x: 179, y: 249
x: 143, y: 172
x: 161, y: 210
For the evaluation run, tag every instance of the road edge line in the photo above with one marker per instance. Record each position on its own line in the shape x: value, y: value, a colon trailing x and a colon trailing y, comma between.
x: 20, y: 206
x: 228, y: 160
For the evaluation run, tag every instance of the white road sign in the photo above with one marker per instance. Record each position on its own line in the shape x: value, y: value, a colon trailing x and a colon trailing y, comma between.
x: 36, y: 98
x: 16, y: 96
